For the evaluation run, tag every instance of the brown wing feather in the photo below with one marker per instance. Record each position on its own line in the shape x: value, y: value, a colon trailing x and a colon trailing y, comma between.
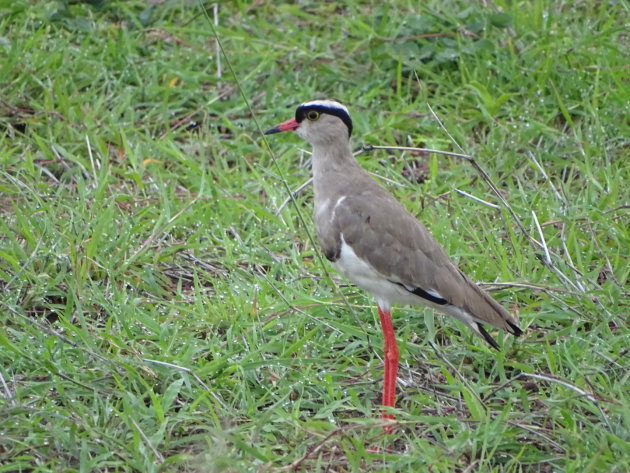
x: 382, y: 232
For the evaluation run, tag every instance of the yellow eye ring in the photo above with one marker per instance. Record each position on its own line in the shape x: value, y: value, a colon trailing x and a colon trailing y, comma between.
x: 312, y: 115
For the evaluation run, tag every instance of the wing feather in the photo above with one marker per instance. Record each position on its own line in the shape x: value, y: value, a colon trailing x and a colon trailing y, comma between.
x: 391, y: 240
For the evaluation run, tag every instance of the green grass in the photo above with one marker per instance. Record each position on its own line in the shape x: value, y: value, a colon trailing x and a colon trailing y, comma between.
x: 159, y: 316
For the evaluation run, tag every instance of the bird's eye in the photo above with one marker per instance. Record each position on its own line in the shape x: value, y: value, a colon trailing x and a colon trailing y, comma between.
x: 312, y: 115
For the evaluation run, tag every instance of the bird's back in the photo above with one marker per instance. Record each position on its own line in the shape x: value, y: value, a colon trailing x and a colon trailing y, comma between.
x: 382, y: 233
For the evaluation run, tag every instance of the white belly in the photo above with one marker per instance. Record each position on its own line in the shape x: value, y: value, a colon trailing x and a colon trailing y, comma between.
x: 366, y: 277
x: 386, y: 293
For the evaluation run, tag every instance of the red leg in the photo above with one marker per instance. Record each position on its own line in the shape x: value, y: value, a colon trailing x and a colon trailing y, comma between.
x: 390, y: 354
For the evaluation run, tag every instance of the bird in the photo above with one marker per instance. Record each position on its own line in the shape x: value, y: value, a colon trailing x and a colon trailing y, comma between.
x: 377, y: 244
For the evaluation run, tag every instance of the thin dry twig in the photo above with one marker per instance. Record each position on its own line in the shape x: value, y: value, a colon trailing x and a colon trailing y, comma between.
x: 368, y: 148
x: 424, y: 36
x: 217, y: 46
x: 472, y: 467
x: 533, y: 159
x: 294, y: 194
x: 9, y: 395
x: 535, y: 429
x: 93, y: 163
x: 477, y: 199
x: 566, y: 384
x: 159, y: 458
x: 48, y: 330
x: 542, y: 240
x: 489, y: 286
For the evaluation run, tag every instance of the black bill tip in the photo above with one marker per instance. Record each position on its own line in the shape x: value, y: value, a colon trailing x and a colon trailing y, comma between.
x: 271, y: 131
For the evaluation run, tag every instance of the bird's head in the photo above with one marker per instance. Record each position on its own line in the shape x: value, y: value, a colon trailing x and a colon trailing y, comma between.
x: 319, y: 122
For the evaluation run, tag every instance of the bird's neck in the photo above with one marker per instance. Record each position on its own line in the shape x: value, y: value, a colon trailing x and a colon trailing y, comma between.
x: 333, y: 166
x: 333, y: 158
